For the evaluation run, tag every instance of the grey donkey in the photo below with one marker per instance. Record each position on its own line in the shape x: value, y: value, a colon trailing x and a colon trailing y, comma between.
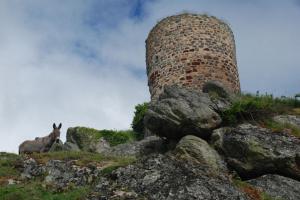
x: 41, y: 144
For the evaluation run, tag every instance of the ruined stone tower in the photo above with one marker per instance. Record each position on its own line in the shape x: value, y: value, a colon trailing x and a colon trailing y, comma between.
x: 188, y: 50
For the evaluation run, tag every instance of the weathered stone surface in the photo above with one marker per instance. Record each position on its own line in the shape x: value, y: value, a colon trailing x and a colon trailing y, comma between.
x: 288, y: 119
x: 86, y: 139
x: 57, y: 146
x: 253, y: 151
x: 32, y: 169
x: 63, y: 173
x: 219, y: 94
x: 180, y: 111
x: 278, y: 187
x: 195, y: 149
x: 166, y: 177
x: 68, y: 146
x: 146, y: 146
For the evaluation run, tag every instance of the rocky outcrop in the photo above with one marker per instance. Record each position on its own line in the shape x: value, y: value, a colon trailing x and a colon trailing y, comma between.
x: 57, y: 146
x: 64, y: 173
x: 60, y: 174
x: 143, y: 147
x: 253, y: 151
x: 167, y: 177
x: 277, y: 187
x: 32, y: 169
x: 195, y: 149
x: 180, y: 111
x: 288, y: 119
x: 86, y: 139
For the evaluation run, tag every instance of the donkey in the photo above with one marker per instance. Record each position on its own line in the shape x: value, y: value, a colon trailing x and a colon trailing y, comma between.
x: 41, y: 144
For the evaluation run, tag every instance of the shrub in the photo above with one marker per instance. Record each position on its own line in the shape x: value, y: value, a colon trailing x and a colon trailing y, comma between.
x: 138, y: 119
x: 250, y: 107
x: 84, y: 135
x: 118, y: 137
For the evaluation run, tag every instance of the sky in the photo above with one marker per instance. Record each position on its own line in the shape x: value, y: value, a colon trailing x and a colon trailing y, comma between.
x: 82, y: 63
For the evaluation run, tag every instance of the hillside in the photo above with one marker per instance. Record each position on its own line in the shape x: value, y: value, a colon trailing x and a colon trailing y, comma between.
x: 208, y: 145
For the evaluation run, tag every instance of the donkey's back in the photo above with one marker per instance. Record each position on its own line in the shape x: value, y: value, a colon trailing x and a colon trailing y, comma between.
x: 40, y: 144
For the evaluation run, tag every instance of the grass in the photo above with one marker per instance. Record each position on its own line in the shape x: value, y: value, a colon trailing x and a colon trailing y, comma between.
x: 279, y: 127
x: 86, y: 135
x: 249, y: 107
x: 82, y: 158
x: 8, y: 166
x: 37, y: 191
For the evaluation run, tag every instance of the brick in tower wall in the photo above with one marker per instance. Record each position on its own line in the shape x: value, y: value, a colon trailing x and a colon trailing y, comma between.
x: 189, y: 50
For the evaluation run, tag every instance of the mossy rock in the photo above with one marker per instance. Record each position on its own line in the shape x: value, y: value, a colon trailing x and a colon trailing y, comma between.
x: 93, y: 140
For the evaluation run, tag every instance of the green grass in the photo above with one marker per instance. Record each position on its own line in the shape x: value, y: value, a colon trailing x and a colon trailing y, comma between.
x: 82, y: 158
x: 279, y: 127
x: 86, y: 135
x: 118, y: 137
x: 249, y: 107
x: 138, y: 119
x: 8, y: 163
x: 36, y: 191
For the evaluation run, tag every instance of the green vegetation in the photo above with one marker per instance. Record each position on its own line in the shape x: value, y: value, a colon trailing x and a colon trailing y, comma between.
x: 118, y: 137
x: 82, y: 158
x: 138, y: 119
x: 37, y: 191
x: 8, y: 164
x: 279, y: 127
x: 249, y: 107
x: 85, y: 136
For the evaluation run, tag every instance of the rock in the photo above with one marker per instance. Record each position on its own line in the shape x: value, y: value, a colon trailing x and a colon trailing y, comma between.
x: 68, y: 146
x: 195, y: 149
x: 218, y: 88
x: 277, y: 187
x: 87, y: 139
x: 181, y: 111
x: 57, y: 146
x: 32, y: 169
x: 143, y: 147
x: 253, y: 151
x: 100, y: 145
x: 288, y: 119
x: 219, y: 94
x: 64, y: 173
x: 167, y: 177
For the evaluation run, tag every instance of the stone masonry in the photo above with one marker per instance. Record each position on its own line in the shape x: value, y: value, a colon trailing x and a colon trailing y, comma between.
x: 188, y: 50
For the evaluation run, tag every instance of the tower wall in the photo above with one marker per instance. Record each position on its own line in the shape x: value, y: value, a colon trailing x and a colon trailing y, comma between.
x: 188, y: 50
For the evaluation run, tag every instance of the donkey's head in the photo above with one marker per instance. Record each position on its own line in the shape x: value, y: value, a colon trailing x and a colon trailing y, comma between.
x: 56, y: 132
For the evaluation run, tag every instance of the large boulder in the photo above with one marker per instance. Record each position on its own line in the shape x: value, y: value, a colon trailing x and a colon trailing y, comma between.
x: 87, y: 139
x: 195, y: 149
x: 167, y: 177
x: 253, y: 151
x: 220, y: 95
x: 277, y: 187
x: 148, y: 145
x: 181, y: 111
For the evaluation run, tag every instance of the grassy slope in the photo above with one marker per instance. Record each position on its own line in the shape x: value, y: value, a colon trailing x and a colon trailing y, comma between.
x: 36, y: 189
x: 260, y: 110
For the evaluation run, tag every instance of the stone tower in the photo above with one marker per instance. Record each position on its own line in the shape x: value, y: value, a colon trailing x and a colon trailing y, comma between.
x: 188, y: 50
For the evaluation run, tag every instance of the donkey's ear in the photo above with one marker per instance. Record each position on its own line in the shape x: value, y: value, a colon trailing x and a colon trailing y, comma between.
x: 54, y: 126
x: 59, y: 126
